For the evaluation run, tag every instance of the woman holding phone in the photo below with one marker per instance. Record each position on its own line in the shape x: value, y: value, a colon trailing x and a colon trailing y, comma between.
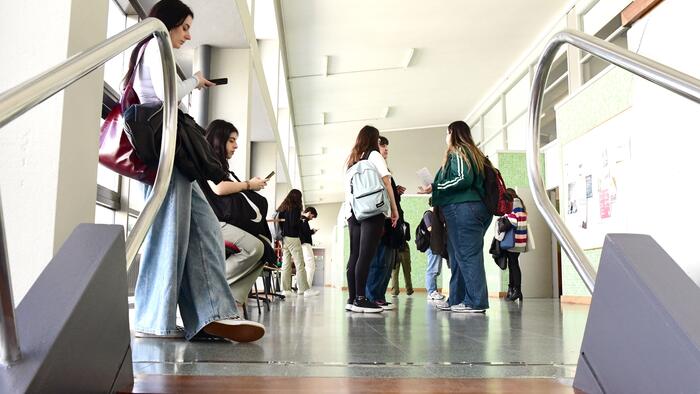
x: 244, y: 267
x: 182, y: 261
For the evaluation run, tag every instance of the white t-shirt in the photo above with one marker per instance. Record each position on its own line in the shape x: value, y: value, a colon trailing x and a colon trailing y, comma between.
x: 380, y: 164
x: 148, y: 82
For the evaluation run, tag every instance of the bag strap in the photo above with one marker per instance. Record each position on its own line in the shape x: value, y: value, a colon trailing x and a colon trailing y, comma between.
x: 234, y: 176
x: 130, y: 83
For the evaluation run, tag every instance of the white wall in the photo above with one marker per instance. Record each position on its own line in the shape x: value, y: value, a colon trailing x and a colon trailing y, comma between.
x: 665, y: 135
x: 231, y: 102
x: 48, y: 157
x: 325, y: 236
x: 262, y: 161
x: 410, y: 150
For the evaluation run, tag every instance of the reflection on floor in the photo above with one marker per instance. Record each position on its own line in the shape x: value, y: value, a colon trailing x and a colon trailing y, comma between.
x: 316, y: 337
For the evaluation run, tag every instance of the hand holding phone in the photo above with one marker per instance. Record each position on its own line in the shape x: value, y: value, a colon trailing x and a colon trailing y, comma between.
x: 219, y: 81
x: 267, y: 178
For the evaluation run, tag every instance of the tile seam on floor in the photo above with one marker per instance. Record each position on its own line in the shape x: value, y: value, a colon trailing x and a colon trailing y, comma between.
x: 366, y: 364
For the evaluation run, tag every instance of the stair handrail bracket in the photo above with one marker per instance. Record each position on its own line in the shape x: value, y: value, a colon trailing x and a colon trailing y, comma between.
x: 657, y: 73
x: 27, y: 95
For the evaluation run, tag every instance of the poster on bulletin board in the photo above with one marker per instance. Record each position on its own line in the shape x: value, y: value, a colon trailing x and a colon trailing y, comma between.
x: 594, y: 176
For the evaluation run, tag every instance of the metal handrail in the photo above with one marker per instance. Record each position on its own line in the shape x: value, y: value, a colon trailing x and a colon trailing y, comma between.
x: 27, y: 95
x: 664, y: 76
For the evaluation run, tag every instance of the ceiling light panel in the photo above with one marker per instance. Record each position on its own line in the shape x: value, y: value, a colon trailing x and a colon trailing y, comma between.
x: 359, y: 61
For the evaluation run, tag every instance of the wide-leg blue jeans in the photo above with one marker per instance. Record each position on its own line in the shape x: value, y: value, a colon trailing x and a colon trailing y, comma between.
x: 467, y: 223
x: 182, y: 263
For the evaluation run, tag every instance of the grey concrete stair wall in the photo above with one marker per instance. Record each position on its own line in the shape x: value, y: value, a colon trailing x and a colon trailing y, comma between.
x: 73, y: 324
x: 643, y: 328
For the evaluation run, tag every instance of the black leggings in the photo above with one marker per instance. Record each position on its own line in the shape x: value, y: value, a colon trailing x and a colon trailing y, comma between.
x: 364, y: 240
x: 514, y: 274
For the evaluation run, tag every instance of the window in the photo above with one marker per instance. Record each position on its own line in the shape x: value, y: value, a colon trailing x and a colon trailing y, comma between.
x: 613, y: 32
x: 477, y: 134
x: 517, y: 134
x: 493, y: 120
x: 556, y: 89
x: 110, y: 185
x: 518, y: 98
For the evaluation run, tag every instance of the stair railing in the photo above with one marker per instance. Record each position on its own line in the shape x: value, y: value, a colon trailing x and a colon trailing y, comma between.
x: 664, y: 76
x: 34, y: 91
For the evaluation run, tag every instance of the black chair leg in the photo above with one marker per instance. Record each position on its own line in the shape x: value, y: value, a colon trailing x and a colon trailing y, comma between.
x: 266, y: 289
x: 257, y: 296
x: 245, y: 312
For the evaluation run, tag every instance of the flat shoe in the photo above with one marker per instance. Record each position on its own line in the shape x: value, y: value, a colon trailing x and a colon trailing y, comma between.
x: 237, y: 329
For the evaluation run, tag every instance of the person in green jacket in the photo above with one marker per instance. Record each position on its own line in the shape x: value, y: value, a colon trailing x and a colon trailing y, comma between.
x: 457, y: 190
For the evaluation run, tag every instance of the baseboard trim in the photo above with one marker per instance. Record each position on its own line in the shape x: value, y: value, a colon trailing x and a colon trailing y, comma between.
x: 581, y: 300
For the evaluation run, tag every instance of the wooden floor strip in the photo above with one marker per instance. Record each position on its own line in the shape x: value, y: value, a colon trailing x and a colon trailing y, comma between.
x: 266, y: 384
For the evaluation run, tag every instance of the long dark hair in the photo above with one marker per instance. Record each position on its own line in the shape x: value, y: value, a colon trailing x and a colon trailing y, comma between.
x: 218, y: 133
x: 367, y: 141
x: 462, y: 143
x: 291, y: 202
x: 172, y: 13
x: 514, y: 195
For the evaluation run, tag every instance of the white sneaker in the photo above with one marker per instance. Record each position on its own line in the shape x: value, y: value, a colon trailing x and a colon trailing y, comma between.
x: 176, y: 335
x: 442, y: 305
x: 289, y: 293
x: 236, y: 329
x: 461, y: 308
x: 435, y: 296
x: 311, y: 293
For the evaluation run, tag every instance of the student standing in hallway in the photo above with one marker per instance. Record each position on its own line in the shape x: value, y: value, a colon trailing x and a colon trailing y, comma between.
x: 306, y: 237
x: 518, y: 218
x: 434, y: 256
x: 290, y: 213
x: 403, y: 262
x: 182, y: 263
x: 387, y: 252
x: 457, y: 190
x: 365, y: 234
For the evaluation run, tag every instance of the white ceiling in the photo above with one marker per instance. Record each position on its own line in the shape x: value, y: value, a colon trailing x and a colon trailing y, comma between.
x: 463, y: 48
x: 217, y: 23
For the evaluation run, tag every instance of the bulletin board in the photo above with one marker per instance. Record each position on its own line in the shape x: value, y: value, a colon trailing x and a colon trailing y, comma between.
x: 595, y: 167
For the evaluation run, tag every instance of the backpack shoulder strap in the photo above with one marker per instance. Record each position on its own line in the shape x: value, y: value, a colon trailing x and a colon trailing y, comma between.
x: 234, y: 176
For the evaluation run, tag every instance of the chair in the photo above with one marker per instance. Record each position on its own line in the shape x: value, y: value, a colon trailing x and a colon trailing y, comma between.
x: 231, y: 249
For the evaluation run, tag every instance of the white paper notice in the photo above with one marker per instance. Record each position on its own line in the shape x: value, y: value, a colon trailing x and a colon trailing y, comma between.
x: 424, y: 176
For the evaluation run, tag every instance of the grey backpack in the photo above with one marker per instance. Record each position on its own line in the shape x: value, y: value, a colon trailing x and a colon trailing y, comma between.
x: 369, y: 196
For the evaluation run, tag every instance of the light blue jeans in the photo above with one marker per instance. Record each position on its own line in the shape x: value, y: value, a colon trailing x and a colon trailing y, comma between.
x: 432, y: 271
x: 182, y: 263
x: 467, y: 223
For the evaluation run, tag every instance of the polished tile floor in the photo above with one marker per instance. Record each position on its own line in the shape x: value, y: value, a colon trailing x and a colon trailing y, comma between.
x: 316, y: 337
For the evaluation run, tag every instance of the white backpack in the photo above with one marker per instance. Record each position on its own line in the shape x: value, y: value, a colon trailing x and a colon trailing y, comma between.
x: 369, y: 196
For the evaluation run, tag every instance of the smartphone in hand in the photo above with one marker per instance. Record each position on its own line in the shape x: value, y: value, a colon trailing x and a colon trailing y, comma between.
x: 219, y: 81
x: 267, y: 178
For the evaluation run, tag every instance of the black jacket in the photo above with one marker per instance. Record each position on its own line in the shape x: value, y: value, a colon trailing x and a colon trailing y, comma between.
x: 194, y: 158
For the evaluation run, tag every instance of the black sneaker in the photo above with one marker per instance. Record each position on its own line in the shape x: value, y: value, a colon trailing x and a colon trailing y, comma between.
x: 362, y: 304
x: 348, y: 306
x: 387, y: 306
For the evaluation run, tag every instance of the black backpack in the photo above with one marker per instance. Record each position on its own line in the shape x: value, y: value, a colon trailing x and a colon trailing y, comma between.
x: 422, y: 236
x: 497, y: 201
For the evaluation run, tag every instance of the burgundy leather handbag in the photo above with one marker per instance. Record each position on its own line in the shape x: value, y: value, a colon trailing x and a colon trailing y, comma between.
x: 116, y: 151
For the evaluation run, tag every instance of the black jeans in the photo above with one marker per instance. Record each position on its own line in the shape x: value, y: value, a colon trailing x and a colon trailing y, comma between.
x: 514, y: 274
x: 364, y: 240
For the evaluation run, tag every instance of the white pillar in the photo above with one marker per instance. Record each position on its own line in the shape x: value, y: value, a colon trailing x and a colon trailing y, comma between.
x: 48, y: 157
x: 263, y: 161
x: 231, y: 102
